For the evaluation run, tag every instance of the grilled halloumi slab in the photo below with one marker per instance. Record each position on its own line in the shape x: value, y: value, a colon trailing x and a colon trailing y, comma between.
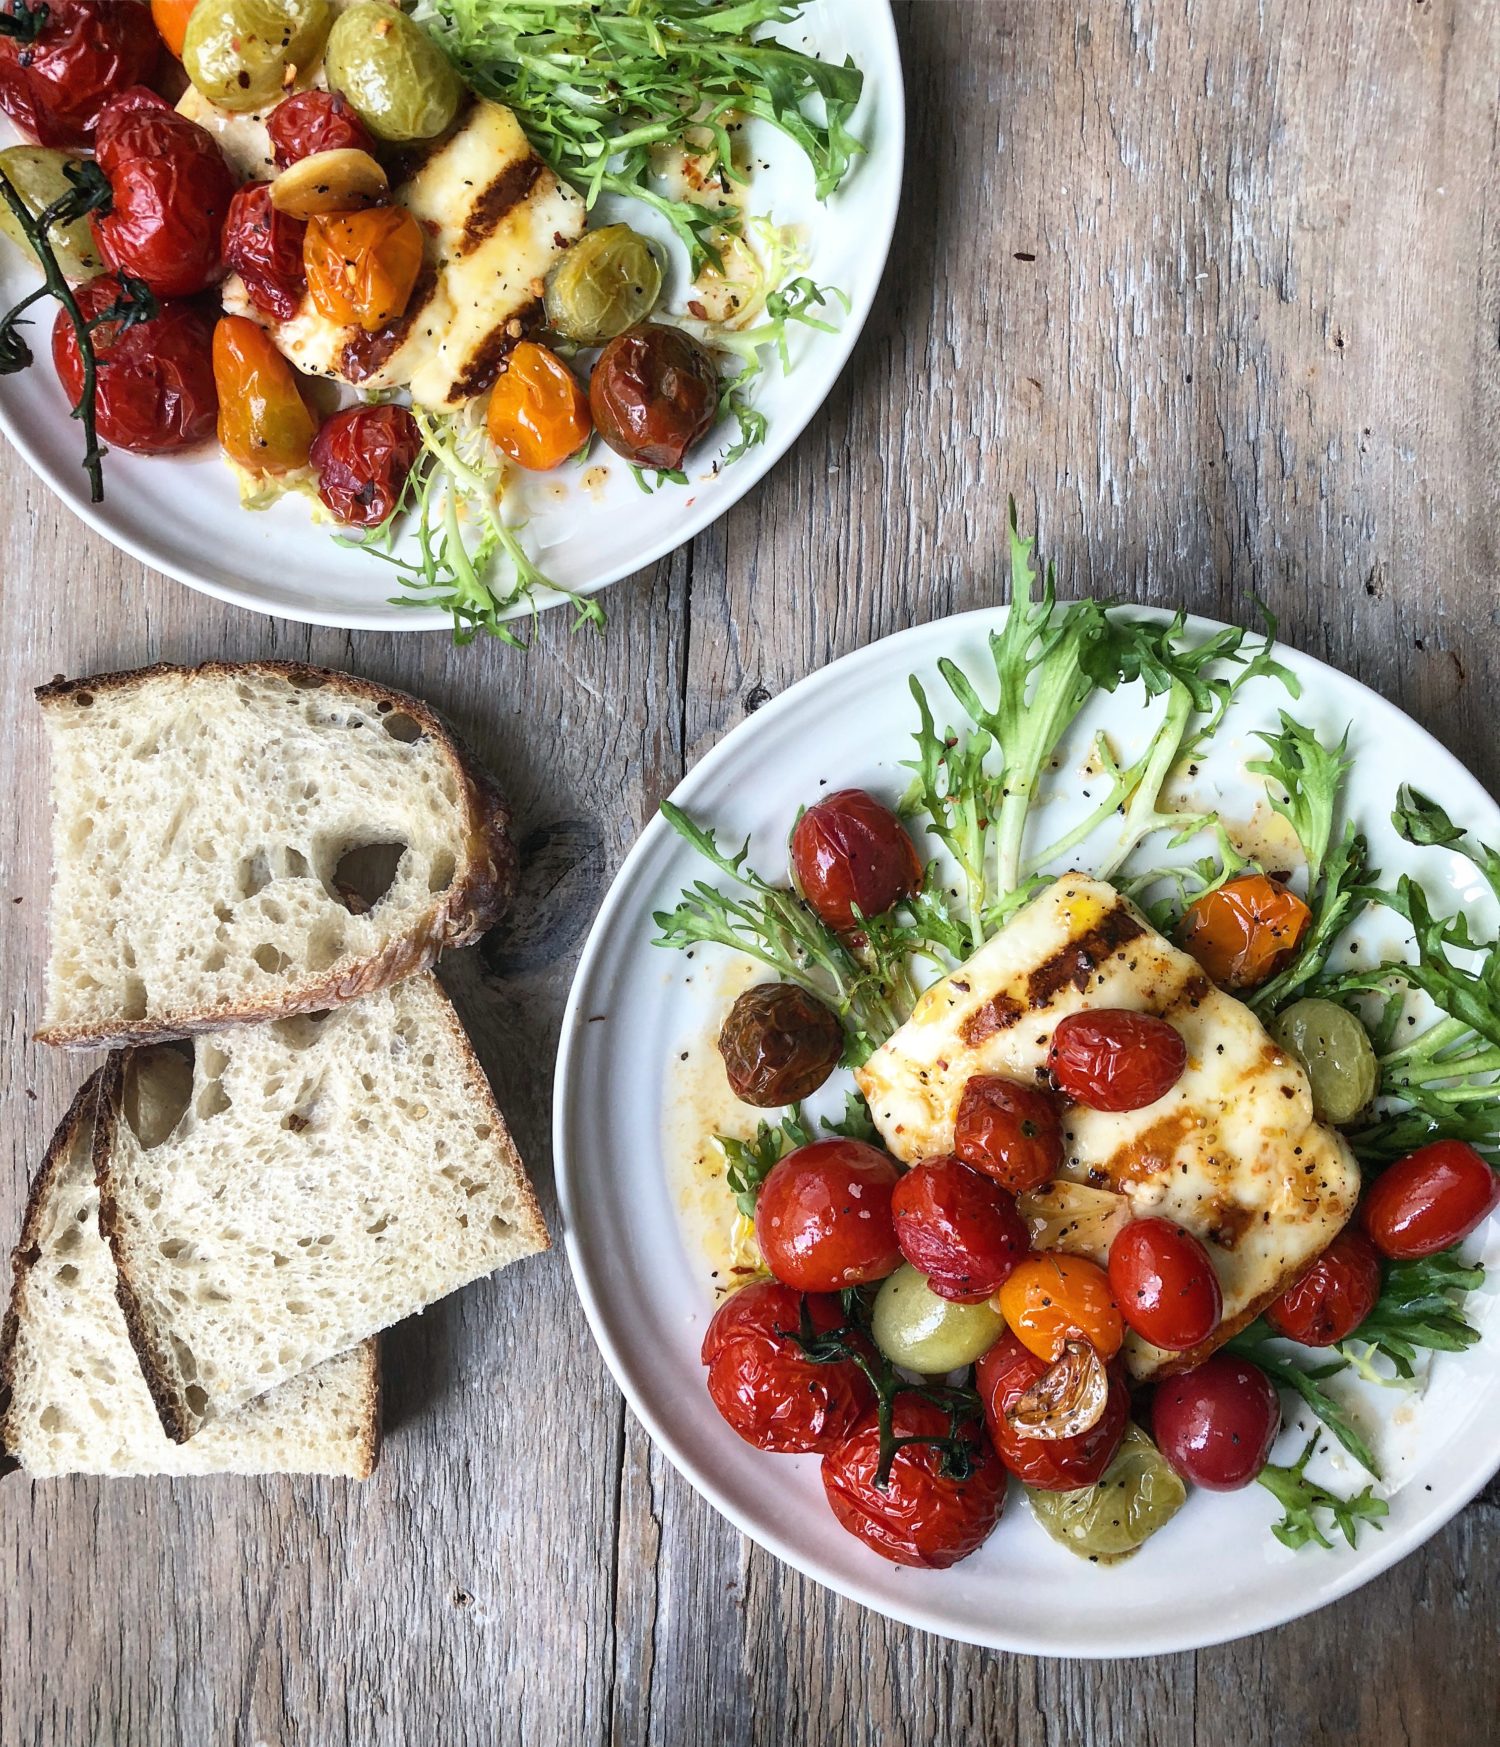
x: 1231, y: 1153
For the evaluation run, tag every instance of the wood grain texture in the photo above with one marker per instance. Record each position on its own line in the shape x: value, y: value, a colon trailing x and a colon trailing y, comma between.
x: 1214, y: 290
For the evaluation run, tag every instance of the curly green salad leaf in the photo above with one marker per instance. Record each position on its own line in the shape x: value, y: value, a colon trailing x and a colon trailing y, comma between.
x: 1303, y: 1500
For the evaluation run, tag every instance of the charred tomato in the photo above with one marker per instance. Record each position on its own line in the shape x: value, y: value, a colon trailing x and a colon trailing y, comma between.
x: 779, y: 1045
x: 654, y: 392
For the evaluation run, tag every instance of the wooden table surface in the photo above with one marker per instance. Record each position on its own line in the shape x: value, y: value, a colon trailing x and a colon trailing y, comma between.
x: 1214, y: 290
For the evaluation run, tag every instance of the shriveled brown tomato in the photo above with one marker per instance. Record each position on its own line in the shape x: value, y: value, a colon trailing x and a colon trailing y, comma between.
x: 155, y: 381
x: 1216, y: 1423
x: 314, y: 121
x: 764, y: 1385
x: 654, y: 392
x: 362, y: 266
x: 264, y: 423
x: 849, y: 852
x: 922, y: 1516
x: 62, y: 60
x: 1051, y: 1299
x: 1011, y: 1132
x: 1109, y: 1059
x: 539, y: 414
x: 823, y: 1218
x: 959, y: 1228
x: 1429, y: 1201
x: 1004, y: 1374
x: 779, y: 1045
x: 362, y: 457
x: 1333, y: 1297
x: 264, y: 247
x: 1165, y: 1284
x: 1245, y: 931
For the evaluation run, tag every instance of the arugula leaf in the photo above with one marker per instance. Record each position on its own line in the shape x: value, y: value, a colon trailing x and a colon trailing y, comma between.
x: 1301, y: 1499
x: 1253, y: 1343
x: 1420, y: 1306
x: 747, y: 1163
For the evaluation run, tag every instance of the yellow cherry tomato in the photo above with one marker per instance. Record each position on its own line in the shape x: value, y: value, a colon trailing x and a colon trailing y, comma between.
x: 264, y: 423
x: 362, y: 266
x: 539, y: 413
x: 1051, y: 1299
x: 171, y: 20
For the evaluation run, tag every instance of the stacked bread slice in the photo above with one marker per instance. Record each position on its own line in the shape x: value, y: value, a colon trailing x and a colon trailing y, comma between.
x: 296, y: 1148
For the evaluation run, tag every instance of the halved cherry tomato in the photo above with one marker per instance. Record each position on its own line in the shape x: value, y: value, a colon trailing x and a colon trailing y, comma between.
x: 1164, y: 1284
x: 823, y: 1218
x: 171, y: 20
x: 1245, y: 931
x: 264, y: 247
x: 1216, y: 1423
x: 363, y: 456
x: 1002, y: 1377
x: 1048, y: 1300
x: 1333, y: 1297
x: 1108, y: 1059
x: 850, y: 852
x: 539, y: 413
x: 264, y: 423
x: 1011, y: 1132
x: 921, y: 1516
x: 362, y: 266
x: 312, y: 121
x: 765, y: 1387
x: 61, y: 61
x: 1430, y: 1200
x: 959, y: 1228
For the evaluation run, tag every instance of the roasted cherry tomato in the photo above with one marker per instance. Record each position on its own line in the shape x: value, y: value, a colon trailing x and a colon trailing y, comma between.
x: 1049, y: 1300
x: 823, y: 1219
x: 959, y: 1227
x: 1002, y: 1377
x: 171, y: 20
x: 1216, y: 1423
x: 264, y: 247
x: 362, y: 266
x: 848, y: 853
x: 762, y: 1383
x: 1333, y: 1297
x: 1164, y: 1284
x: 654, y: 392
x: 62, y: 60
x: 362, y: 457
x: 264, y: 423
x: 1243, y: 932
x: 1011, y: 1132
x: 921, y: 1516
x: 1108, y: 1059
x: 539, y: 414
x: 779, y: 1045
x: 1429, y: 1201
x: 155, y: 383
x: 314, y: 121
x: 171, y: 188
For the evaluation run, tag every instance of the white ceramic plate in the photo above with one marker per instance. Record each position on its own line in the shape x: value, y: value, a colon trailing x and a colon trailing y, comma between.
x: 624, y: 1113
x: 184, y: 516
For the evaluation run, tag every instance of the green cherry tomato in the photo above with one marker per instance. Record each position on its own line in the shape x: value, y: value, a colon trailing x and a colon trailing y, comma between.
x: 38, y: 175
x: 1135, y: 1496
x: 392, y: 73
x: 1336, y: 1051
x: 237, y: 52
x: 915, y: 1328
x: 608, y: 281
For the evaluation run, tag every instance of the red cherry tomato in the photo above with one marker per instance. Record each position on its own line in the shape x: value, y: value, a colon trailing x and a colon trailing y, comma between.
x: 66, y: 60
x: 921, y: 1516
x: 849, y: 851
x: 1002, y: 1377
x: 1430, y: 1200
x: 823, y: 1219
x: 1216, y: 1424
x: 961, y: 1230
x: 315, y: 121
x: 172, y: 189
x: 763, y: 1385
x: 363, y: 457
x: 1333, y: 1297
x: 1109, y: 1059
x: 1164, y: 1284
x: 264, y: 247
x: 1011, y: 1132
x: 155, y: 387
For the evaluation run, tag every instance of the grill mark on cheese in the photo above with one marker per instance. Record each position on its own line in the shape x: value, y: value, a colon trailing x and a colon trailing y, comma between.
x: 513, y: 185
x: 483, y: 364
x: 363, y: 354
x: 999, y: 1013
x: 1077, y: 962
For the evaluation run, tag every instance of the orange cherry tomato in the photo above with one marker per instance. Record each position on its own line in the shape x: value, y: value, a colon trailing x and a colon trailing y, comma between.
x: 361, y: 266
x: 1245, y: 931
x: 264, y: 423
x: 539, y: 413
x: 171, y: 20
x: 1049, y: 1300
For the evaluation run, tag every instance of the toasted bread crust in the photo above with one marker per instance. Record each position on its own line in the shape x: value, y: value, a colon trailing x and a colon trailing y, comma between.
x: 478, y: 897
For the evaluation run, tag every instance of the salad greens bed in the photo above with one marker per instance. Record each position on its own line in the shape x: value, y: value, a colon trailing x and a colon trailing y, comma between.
x: 1433, y: 1013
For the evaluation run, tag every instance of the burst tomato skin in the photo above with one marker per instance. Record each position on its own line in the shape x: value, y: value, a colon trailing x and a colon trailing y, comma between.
x: 762, y: 1384
x: 1011, y: 1132
x: 1244, y: 931
x: 823, y: 1218
x: 264, y: 247
x: 1110, y: 1059
x: 1003, y: 1376
x: 264, y: 423
x: 1216, y: 1423
x: 155, y: 392
x: 85, y: 52
x: 1165, y: 1284
x: 959, y: 1228
x: 363, y: 456
x: 1429, y: 1201
x: 539, y: 413
x: 1051, y: 1299
x: 362, y: 266
x: 922, y: 1517
x: 315, y: 121
x: 1333, y: 1297
x: 850, y: 851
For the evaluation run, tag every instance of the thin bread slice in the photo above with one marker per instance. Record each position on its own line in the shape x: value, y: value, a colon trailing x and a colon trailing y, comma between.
x: 242, y: 842
x: 72, y: 1397
x: 275, y: 1193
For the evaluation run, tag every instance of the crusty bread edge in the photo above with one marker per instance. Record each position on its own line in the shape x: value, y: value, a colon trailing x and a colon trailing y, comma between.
x: 472, y: 904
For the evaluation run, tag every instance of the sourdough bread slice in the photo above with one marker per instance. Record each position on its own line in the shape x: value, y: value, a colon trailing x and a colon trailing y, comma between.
x: 236, y: 843
x: 72, y: 1397
x: 297, y: 1186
